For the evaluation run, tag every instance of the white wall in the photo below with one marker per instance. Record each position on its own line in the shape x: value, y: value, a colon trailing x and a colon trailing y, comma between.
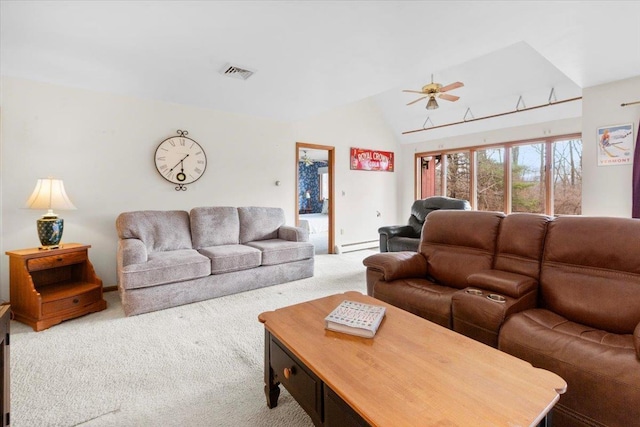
x: 607, y: 190
x: 102, y: 146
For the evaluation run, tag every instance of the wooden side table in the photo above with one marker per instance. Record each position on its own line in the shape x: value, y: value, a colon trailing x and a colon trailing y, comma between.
x: 50, y: 286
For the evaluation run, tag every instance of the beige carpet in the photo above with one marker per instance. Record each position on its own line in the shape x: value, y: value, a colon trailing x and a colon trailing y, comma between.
x: 197, y: 365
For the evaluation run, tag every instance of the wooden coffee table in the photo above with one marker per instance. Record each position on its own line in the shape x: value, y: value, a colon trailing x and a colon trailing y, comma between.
x: 412, y: 373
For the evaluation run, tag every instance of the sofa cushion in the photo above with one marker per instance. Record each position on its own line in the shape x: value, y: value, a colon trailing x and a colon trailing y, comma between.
x: 600, y: 368
x: 214, y: 226
x: 158, y: 230
x: 259, y: 223
x: 228, y: 258
x: 520, y: 243
x: 591, y: 271
x: 418, y: 296
x: 457, y: 243
x: 278, y: 251
x: 165, y: 267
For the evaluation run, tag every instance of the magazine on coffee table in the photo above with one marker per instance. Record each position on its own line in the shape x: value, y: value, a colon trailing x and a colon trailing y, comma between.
x: 355, y: 318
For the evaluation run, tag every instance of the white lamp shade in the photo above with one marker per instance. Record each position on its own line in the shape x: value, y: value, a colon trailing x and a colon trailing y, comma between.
x: 49, y: 194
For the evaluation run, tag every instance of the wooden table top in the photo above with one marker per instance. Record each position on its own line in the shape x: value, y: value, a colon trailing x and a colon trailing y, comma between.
x: 414, y: 372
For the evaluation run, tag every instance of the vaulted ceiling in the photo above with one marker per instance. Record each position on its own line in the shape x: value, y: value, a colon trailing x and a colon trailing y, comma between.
x: 312, y: 56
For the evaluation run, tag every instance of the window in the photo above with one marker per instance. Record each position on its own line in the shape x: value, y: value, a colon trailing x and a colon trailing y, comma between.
x: 527, y: 178
x: 567, y: 177
x: 543, y: 176
x: 458, y: 175
x: 490, y: 172
x: 323, y: 183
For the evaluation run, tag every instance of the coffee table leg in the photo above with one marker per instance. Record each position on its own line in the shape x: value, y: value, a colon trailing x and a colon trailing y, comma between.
x: 271, y: 387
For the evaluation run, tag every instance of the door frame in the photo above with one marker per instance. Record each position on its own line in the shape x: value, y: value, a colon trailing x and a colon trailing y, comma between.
x: 330, y: 168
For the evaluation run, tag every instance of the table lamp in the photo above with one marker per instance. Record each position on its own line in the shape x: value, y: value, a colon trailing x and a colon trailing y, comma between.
x: 49, y: 194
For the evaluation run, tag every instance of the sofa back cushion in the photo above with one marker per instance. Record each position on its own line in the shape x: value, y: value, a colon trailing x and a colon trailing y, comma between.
x: 158, y: 230
x: 457, y: 243
x: 591, y: 271
x: 520, y: 243
x: 214, y: 226
x: 259, y: 223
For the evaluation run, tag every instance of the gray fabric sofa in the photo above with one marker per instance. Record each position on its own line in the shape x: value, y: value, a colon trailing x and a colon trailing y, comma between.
x: 170, y: 258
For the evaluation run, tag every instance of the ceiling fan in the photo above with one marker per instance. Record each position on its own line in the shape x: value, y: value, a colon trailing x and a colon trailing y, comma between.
x: 432, y: 90
x: 308, y: 161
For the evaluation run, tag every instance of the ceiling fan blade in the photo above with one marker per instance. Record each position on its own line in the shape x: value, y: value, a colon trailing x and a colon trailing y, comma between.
x: 451, y: 86
x: 413, y: 91
x: 448, y: 97
x: 419, y: 99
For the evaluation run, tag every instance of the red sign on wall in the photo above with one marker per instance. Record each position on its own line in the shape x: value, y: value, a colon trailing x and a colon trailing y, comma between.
x: 371, y: 160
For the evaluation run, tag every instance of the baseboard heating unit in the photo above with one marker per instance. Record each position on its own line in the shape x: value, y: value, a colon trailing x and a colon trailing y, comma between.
x: 358, y: 246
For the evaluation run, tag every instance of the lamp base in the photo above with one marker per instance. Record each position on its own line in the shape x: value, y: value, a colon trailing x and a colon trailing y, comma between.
x: 50, y: 232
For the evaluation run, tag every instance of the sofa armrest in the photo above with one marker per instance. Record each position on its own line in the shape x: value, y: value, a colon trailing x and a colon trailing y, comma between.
x: 131, y: 251
x: 390, y: 231
x: 397, y: 230
x: 398, y: 265
x: 511, y: 284
x: 636, y: 340
x: 293, y: 234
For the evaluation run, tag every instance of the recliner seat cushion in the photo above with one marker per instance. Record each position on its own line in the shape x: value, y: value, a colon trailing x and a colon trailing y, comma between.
x: 227, y: 258
x: 600, y: 368
x: 165, y: 267
x: 278, y: 251
x: 418, y: 296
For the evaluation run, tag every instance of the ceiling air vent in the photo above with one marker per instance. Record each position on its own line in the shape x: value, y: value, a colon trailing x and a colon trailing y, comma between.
x: 236, y: 72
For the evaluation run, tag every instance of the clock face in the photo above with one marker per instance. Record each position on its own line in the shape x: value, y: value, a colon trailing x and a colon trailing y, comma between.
x: 180, y: 160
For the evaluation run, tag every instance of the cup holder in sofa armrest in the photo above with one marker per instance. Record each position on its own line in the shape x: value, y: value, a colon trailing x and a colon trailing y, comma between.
x: 473, y: 291
x: 497, y: 298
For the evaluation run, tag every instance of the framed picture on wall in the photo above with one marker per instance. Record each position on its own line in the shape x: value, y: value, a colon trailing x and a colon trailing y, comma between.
x: 615, y: 145
x: 371, y: 160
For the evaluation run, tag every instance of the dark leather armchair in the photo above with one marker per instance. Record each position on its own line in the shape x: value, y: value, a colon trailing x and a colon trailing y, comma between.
x: 395, y: 238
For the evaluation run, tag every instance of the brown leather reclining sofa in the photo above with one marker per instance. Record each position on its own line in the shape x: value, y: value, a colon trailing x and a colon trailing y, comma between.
x: 561, y: 293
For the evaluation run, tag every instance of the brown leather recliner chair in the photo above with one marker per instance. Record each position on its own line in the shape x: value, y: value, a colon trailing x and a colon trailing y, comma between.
x: 587, y: 325
x: 394, y: 238
x: 454, y: 245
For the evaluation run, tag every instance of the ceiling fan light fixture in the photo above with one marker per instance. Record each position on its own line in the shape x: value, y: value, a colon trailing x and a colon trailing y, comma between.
x: 432, y: 104
x: 306, y: 160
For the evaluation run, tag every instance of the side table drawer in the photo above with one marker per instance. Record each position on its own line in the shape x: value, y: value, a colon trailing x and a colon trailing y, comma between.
x: 303, y: 386
x: 76, y: 301
x: 54, y: 261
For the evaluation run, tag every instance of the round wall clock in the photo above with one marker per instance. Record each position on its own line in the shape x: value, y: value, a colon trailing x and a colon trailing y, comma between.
x: 180, y: 160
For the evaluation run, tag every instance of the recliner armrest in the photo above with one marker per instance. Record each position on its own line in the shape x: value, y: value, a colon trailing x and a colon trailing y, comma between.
x: 503, y: 282
x: 293, y: 234
x: 636, y: 340
x: 132, y: 251
x: 398, y: 265
x: 398, y: 230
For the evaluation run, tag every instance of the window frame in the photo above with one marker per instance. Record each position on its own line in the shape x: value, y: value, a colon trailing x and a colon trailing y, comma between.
x: 547, y: 141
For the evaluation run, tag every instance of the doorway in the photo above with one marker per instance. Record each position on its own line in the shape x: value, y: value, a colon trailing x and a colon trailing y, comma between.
x: 315, y: 194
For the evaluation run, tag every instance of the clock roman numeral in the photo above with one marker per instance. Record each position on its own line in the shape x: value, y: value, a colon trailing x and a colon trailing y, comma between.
x: 197, y: 170
x: 161, y: 158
